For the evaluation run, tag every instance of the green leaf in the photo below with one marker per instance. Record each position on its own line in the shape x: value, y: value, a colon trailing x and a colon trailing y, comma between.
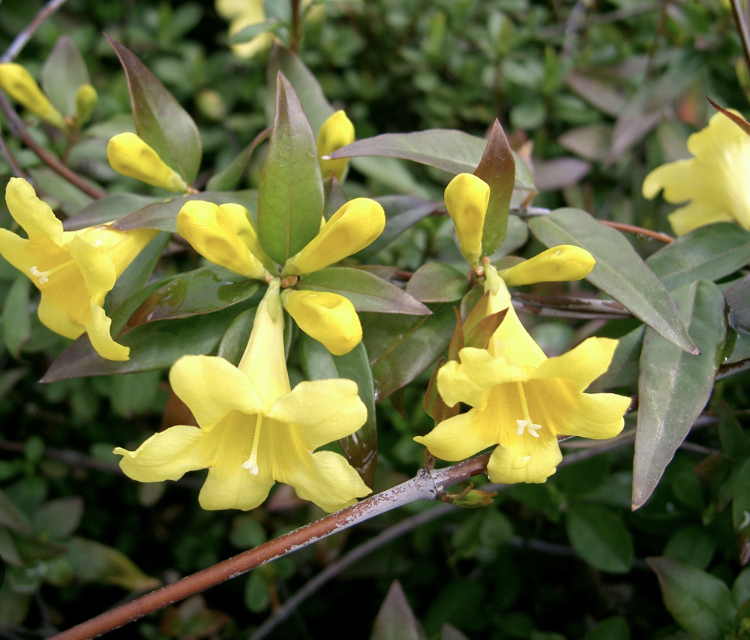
x: 11, y: 517
x: 624, y: 368
x: 360, y: 448
x: 738, y: 299
x: 111, y: 207
x: 366, y: 292
x: 160, y: 121
x: 692, y: 545
x: 516, y: 236
x: 59, y: 518
x: 335, y: 197
x: 599, y: 537
x: 700, y: 603
x: 619, y: 271
x: 674, y: 387
x: 290, y: 198
x: 95, y: 562
x: 234, y: 341
x: 257, y: 594
x: 228, y: 177
x: 136, y: 276
x: 249, y: 32
x: 63, y: 73
x: 614, y: 628
x: 706, y: 253
x: 135, y: 394
x: 436, y: 282
x: 447, y: 149
x: 400, y: 347
x: 16, y: 317
x: 396, y: 620
x: 741, y: 587
x: 741, y: 498
x: 498, y: 169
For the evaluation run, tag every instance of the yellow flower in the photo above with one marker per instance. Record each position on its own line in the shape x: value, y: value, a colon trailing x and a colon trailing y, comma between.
x: 327, y: 317
x: 467, y: 198
x: 715, y: 181
x: 522, y: 400
x: 241, y: 14
x: 86, y: 100
x: 562, y: 263
x: 335, y: 133
x: 352, y: 228
x: 254, y: 429
x: 73, y: 270
x: 18, y: 83
x: 132, y: 157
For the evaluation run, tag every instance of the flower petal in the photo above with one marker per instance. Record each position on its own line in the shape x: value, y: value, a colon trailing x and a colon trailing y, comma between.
x: 211, y: 387
x: 335, y: 133
x: 96, y: 266
x: 322, y: 411
x: 472, y: 380
x: 696, y: 214
x: 242, y: 222
x: 65, y: 307
x: 98, y: 330
x: 581, y: 365
x: 461, y: 436
x: 524, y: 459
x: 35, y: 216
x: 167, y: 455
x: 558, y: 264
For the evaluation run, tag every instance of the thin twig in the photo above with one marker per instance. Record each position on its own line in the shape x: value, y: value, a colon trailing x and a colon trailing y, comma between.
x: 568, y: 306
x: 22, y: 38
x: 10, y: 158
x: 631, y: 228
x: 741, y: 22
x: 296, y: 26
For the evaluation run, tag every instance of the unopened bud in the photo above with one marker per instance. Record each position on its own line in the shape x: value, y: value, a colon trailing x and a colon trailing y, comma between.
x: 86, y: 100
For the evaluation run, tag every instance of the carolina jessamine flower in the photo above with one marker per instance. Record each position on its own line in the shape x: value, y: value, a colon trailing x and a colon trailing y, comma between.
x: 467, y: 198
x: 241, y: 14
x: 522, y: 400
x: 18, y: 83
x: 226, y: 235
x: 715, y: 181
x: 130, y: 156
x: 73, y: 270
x: 254, y: 429
x: 562, y: 263
x: 335, y: 133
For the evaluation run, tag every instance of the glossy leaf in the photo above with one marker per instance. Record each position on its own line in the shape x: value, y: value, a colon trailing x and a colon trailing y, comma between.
x: 619, y: 271
x: 706, y: 253
x: 366, y: 291
x: 400, y: 347
x: 498, y: 169
x: 111, y: 207
x: 360, y: 448
x: 234, y: 341
x: 63, y: 73
x: 230, y: 175
x: 674, y: 387
x: 159, y: 119
x: 447, y: 149
x: 599, y: 537
x: 700, y: 603
x: 738, y: 299
x: 396, y: 620
x: 136, y: 276
x: 436, y: 282
x: 290, y: 197
x: 16, y: 319
x: 624, y: 368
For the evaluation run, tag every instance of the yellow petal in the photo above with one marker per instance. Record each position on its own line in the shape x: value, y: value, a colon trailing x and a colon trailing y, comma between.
x: 352, y: 228
x: 461, y: 436
x: 167, y: 455
x: 18, y: 83
x: 512, y: 341
x: 467, y: 198
x: 524, y: 459
x: 211, y: 387
x: 326, y: 479
x: 35, y: 216
x: 210, y: 232
x: 242, y: 223
x: 95, y: 265
x: 132, y: 157
x: 337, y: 132
x: 581, y: 365
x: 98, y: 330
x: 472, y: 380
x: 322, y: 411
x: 86, y: 100
x: 65, y: 305
x: 558, y: 264
x: 696, y: 214
x: 327, y: 317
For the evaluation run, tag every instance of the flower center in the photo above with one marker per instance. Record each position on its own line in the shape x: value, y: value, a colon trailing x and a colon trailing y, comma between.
x: 526, y: 424
x: 251, y: 464
x: 45, y: 275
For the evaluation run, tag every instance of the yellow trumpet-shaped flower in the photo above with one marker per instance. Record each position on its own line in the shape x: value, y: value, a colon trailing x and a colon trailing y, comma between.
x: 715, y: 181
x: 73, y: 270
x: 18, y: 83
x: 352, y: 228
x: 562, y: 263
x: 467, y: 198
x: 327, y: 317
x: 225, y: 235
x: 522, y: 400
x: 132, y: 157
x: 254, y: 429
x: 337, y: 132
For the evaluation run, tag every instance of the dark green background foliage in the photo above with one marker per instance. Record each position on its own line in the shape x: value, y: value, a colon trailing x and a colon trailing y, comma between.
x: 605, y: 91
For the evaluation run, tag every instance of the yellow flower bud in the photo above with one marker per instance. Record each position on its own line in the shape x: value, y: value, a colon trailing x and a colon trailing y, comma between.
x: 132, y: 157
x: 327, y: 317
x: 337, y: 132
x: 18, y: 83
x: 467, y: 198
x: 557, y: 264
x: 353, y: 227
x: 209, y: 229
x: 86, y: 100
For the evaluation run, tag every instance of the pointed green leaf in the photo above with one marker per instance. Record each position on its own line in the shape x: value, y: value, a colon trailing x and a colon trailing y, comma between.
x: 63, y: 73
x: 234, y: 341
x: 290, y: 198
x: 59, y: 518
x: 436, y: 282
x: 396, y: 620
x: 674, y: 387
x: 230, y: 175
x: 624, y: 368
x: 111, y: 207
x: 159, y: 119
x: 619, y: 272
x: 93, y: 561
x: 16, y: 318
x: 600, y: 537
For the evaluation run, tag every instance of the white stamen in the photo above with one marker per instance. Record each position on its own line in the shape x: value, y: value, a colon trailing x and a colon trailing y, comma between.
x: 39, y: 274
x: 251, y: 464
x: 527, y: 425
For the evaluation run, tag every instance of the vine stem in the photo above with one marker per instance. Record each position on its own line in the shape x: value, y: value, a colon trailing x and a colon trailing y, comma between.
x: 426, y: 485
